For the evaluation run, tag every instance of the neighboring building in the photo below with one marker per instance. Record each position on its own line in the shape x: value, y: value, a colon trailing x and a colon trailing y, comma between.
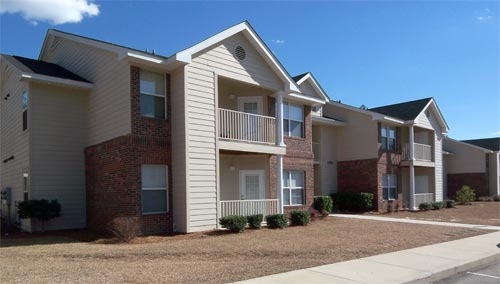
x: 176, y: 142
x: 394, y: 152
x: 474, y: 163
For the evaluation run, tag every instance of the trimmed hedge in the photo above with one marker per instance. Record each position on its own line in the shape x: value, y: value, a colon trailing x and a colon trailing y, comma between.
x: 300, y: 217
x: 450, y: 204
x: 437, y: 205
x: 276, y: 221
x: 254, y: 221
x: 351, y: 201
x: 234, y: 223
x: 324, y: 204
x: 425, y: 206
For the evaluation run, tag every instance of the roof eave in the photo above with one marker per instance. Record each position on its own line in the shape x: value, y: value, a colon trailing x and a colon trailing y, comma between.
x: 25, y: 76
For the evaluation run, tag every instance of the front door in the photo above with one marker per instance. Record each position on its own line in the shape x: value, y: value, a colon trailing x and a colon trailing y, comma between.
x: 252, y: 185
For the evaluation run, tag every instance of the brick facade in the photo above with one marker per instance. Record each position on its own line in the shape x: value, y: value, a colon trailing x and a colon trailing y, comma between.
x: 477, y: 181
x: 113, y: 169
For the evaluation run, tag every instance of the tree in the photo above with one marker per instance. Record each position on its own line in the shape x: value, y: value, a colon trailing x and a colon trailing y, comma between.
x: 42, y: 210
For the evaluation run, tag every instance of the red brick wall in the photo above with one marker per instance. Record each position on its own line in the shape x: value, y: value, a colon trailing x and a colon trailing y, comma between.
x: 358, y: 176
x: 477, y: 181
x: 113, y: 169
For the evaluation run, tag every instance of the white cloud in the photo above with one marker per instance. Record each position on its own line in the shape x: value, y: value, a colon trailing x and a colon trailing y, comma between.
x: 56, y: 12
x: 278, y: 41
x: 484, y: 15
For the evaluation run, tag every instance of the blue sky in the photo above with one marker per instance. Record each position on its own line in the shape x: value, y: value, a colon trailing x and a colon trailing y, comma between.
x: 372, y: 53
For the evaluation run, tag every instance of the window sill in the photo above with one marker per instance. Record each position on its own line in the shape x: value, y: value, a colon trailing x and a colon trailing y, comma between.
x: 293, y: 137
x: 153, y: 213
x: 153, y: 118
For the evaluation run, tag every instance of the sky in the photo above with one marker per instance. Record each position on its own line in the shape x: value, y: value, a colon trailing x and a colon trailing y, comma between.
x: 370, y: 53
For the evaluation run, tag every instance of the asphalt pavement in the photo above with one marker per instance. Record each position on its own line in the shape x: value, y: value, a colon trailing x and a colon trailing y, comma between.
x: 489, y: 274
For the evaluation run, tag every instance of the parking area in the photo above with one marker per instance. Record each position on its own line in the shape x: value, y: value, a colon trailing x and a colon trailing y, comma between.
x: 486, y: 275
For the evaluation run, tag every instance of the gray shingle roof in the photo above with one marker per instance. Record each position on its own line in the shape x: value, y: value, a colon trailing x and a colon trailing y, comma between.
x: 492, y: 144
x: 47, y: 69
x: 298, y: 77
x: 404, y: 111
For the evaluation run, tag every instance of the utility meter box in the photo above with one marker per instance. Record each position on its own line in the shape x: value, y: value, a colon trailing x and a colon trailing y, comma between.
x: 6, y: 196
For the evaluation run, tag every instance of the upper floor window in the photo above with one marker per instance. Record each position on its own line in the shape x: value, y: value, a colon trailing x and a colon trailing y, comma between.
x: 388, y: 137
x: 24, y: 99
x: 293, y: 120
x: 153, y: 100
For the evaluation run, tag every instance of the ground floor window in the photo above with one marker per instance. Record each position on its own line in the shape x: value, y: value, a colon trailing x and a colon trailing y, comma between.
x: 293, y: 187
x: 154, y: 180
x: 389, y: 187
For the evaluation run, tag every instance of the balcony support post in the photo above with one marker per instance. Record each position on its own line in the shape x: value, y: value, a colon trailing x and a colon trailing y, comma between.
x: 279, y: 182
x: 279, y: 119
x: 412, y: 143
x: 412, y: 188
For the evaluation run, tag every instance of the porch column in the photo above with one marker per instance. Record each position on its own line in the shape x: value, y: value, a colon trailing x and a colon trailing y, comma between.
x: 412, y: 143
x: 412, y: 188
x: 279, y: 119
x: 279, y: 182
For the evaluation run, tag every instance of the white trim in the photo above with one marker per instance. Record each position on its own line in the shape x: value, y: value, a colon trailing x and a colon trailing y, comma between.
x: 243, y: 174
x: 163, y: 96
x: 327, y: 121
x: 303, y: 188
x: 305, y: 98
x: 315, y: 85
x: 155, y: 188
x: 145, y: 57
x: 56, y: 80
x: 436, y: 110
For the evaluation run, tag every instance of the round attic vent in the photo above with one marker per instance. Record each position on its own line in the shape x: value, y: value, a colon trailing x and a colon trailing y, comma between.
x: 240, y: 52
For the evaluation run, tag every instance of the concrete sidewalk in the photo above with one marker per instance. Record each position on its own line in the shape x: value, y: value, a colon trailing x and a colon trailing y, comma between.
x: 418, y: 265
x: 413, y: 221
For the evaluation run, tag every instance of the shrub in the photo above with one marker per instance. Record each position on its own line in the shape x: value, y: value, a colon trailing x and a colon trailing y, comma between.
x: 234, y: 223
x: 465, y: 195
x: 125, y: 229
x: 496, y: 198
x: 254, y: 221
x: 425, y: 206
x: 450, y: 204
x: 42, y: 210
x: 277, y: 221
x: 350, y: 201
x: 485, y: 198
x: 324, y: 204
x: 437, y: 205
x: 300, y: 217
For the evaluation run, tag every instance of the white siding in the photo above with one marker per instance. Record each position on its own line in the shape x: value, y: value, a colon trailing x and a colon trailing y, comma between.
x: 109, y: 100
x: 58, y: 135
x: 14, y: 141
x: 438, y: 165
x: 307, y: 88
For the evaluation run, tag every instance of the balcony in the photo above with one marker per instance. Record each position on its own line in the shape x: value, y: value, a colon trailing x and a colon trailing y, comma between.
x: 423, y: 198
x: 240, y: 131
x: 249, y: 207
x: 422, y: 152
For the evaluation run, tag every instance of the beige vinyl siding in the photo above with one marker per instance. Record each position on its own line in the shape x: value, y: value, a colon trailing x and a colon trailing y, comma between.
x: 58, y: 135
x: 307, y: 88
x: 230, y: 180
x: 494, y: 174
x: 253, y: 69
x: 438, y: 165
x: 14, y: 141
x: 179, y: 182
x: 464, y: 158
x: 109, y: 100
x: 329, y: 147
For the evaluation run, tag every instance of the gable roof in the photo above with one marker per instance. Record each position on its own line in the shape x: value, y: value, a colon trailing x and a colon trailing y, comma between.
x: 308, y: 76
x: 298, y: 77
x: 492, y: 144
x: 37, y: 70
x: 405, y: 111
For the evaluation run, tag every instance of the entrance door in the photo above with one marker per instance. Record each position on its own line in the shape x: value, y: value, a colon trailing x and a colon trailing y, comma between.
x: 252, y: 185
x: 250, y: 123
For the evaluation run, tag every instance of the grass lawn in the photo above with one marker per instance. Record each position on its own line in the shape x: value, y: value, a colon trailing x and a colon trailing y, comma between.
x: 209, y: 257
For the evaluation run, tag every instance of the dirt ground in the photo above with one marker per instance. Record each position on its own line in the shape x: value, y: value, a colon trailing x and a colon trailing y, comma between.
x: 481, y: 213
x: 209, y: 257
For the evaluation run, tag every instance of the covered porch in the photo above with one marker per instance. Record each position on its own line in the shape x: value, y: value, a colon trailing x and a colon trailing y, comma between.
x: 424, y: 186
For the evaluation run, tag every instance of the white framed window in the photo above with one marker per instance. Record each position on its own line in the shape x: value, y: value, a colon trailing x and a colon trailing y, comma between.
x: 389, y: 187
x: 24, y: 102
x: 293, y: 120
x: 293, y: 188
x: 388, y: 137
x: 153, y: 99
x: 154, y: 180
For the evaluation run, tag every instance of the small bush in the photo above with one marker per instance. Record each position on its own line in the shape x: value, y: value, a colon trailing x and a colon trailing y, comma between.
x: 234, y: 223
x: 465, y: 195
x: 254, y: 221
x: 42, y: 210
x: 485, y: 198
x: 437, y: 205
x: 354, y: 202
x: 125, y: 229
x: 300, y: 218
x: 496, y: 198
x: 450, y: 204
x: 324, y: 204
x: 277, y: 221
x: 425, y: 206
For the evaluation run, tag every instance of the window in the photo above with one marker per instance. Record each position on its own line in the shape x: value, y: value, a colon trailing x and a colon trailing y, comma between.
x: 388, y: 138
x: 389, y: 187
x: 24, y: 100
x: 152, y: 95
x: 293, y: 188
x: 293, y: 120
x: 154, y: 189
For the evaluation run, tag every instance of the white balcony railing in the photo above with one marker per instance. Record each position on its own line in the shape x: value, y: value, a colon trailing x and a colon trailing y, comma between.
x: 423, y: 197
x: 241, y: 126
x: 249, y: 207
x: 422, y: 152
x: 316, y: 152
